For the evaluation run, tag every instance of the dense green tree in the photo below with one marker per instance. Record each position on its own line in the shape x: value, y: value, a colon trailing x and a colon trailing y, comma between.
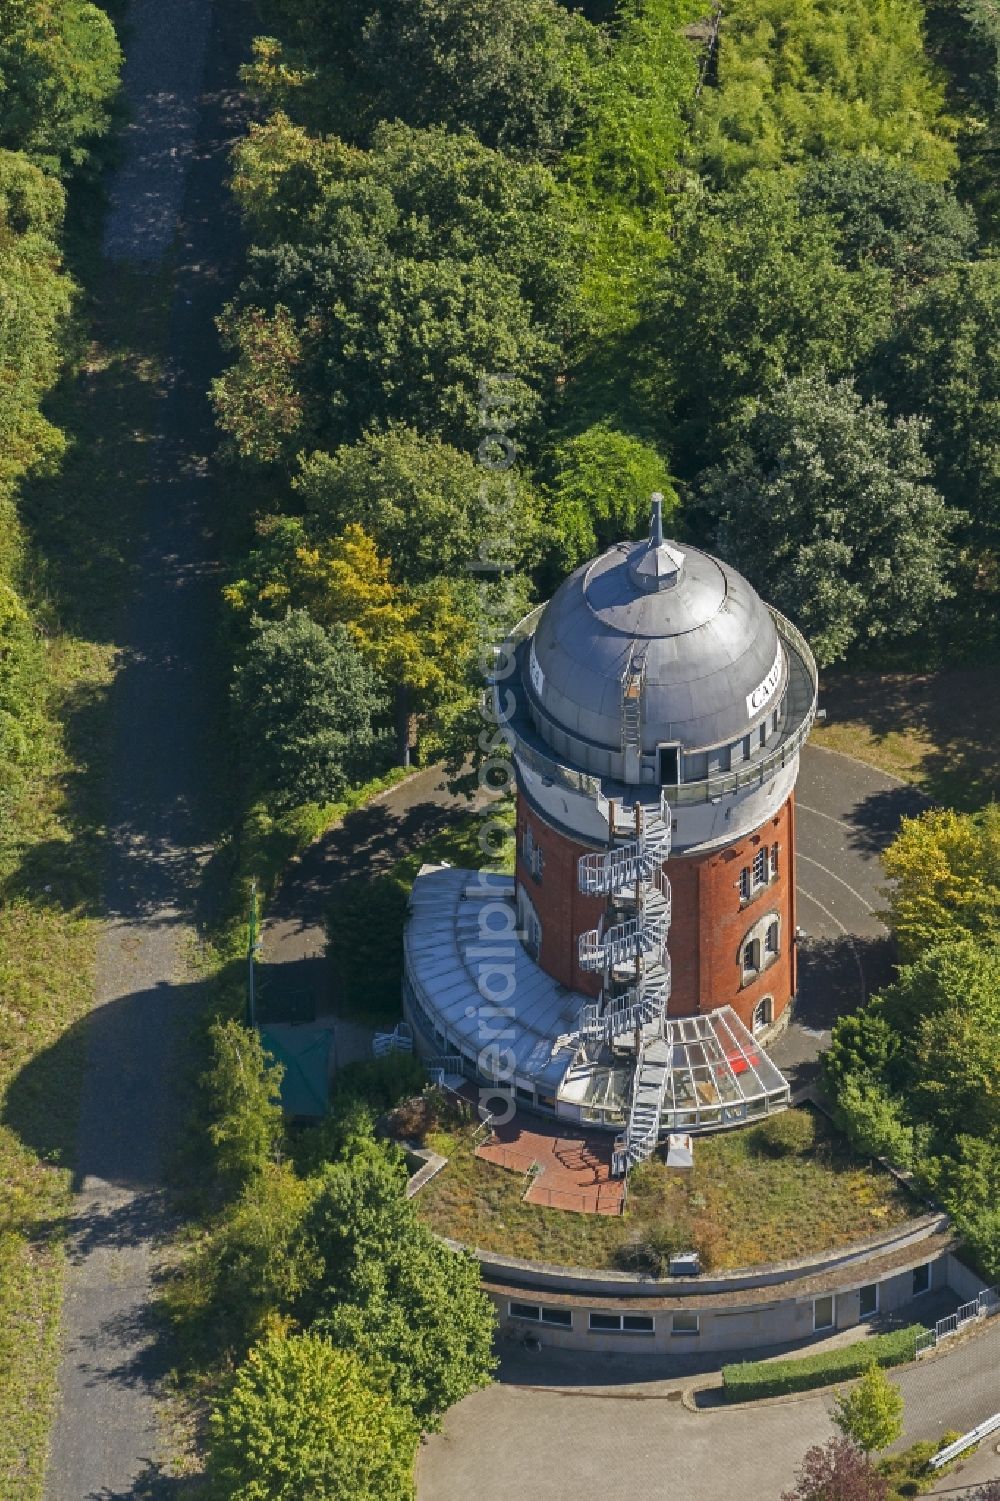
x: 415, y: 194
x: 871, y: 1413
x: 887, y: 214
x: 428, y: 507
x: 967, y: 1182
x: 408, y: 341
x: 304, y: 700
x: 806, y: 78
x: 944, y: 873
x: 826, y: 506
x: 624, y: 163
x: 389, y: 1290
x: 387, y: 286
x: 513, y: 71
x: 599, y: 492
x: 754, y: 292
x: 944, y: 364
x: 302, y: 1421
x: 240, y: 1091
x: 251, y: 1267
x: 59, y: 65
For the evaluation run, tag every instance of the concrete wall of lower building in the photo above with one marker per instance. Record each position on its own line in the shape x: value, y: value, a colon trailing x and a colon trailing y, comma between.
x: 733, y: 1329
x: 963, y: 1281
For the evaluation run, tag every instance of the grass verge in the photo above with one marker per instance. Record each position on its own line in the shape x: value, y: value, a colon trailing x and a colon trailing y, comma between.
x: 79, y: 526
x: 937, y: 730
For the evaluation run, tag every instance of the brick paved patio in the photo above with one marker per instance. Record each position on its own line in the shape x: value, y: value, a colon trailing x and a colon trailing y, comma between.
x: 575, y: 1170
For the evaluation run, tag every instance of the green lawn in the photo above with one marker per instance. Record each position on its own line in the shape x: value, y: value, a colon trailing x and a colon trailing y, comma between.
x: 740, y: 1205
x: 938, y: 730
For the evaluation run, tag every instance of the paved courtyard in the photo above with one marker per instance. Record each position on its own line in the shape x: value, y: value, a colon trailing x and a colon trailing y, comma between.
x: 594, y: 1443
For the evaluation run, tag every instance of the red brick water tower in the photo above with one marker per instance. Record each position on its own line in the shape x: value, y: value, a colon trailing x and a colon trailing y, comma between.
x: 658, y: 708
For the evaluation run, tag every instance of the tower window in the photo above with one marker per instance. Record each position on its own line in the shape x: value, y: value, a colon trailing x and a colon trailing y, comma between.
x: 751, y: 957
x: 745, y: 884
x: 763, y: 1013
x: 771, y: 940
x: 774, y: 862
x: 669, y: 765
x: 760, y: 867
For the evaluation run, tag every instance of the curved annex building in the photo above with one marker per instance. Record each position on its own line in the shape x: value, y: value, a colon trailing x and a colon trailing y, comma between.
x: 657, y: 707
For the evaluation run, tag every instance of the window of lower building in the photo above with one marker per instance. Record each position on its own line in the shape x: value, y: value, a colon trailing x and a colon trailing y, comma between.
x: 823, y: 1312
x: 869, y: 1300
x: 621, y: 1323
x: 685, y: 1323
x: 921, y: 1279
x: 525, y: 1094
x: 524, y: 1311
x: 561, y: 1316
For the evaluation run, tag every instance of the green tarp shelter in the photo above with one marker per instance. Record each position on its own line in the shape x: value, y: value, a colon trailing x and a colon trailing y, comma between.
x: 304, y: 1053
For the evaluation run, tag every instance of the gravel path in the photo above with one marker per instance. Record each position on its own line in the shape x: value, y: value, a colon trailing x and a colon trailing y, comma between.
x: 105, y: 1442
x: 164, y: 66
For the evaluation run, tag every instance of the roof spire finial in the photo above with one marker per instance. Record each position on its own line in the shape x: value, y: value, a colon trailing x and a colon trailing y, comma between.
x: 656, y: 522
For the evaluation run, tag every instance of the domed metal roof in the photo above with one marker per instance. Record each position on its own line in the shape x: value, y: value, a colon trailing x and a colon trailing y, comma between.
x: 690, y: 628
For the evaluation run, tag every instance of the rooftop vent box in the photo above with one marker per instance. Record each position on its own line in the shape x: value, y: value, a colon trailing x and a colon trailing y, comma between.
x: 687, y: 1264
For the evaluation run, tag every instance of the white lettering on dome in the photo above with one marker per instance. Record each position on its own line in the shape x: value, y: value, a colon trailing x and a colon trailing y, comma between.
x: 764, y: 692
x: 537, y: 675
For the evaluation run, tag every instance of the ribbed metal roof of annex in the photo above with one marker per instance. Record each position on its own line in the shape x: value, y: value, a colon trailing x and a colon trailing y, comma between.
x: 458, y: 942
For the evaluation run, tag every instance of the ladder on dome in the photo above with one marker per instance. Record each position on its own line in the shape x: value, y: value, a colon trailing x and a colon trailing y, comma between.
x: 632, y: 683
x: 631, y: 953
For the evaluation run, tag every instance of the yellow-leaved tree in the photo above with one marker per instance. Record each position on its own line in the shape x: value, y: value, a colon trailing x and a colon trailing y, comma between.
x: 944, y: 869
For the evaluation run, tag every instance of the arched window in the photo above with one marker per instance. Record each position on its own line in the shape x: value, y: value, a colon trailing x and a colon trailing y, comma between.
x: 760, y: 947
x: 531, y: 928
x: 763, y: 1013
x: 751, y: 957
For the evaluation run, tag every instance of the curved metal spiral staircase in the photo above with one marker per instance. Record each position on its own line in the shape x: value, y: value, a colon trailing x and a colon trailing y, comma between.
x: 629, y: 947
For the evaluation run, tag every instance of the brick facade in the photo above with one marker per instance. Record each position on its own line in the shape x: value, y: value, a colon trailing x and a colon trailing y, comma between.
x: 710, y: 921
x: 563, y: 910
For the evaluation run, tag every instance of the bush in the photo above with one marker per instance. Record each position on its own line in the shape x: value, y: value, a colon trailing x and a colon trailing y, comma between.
x: 381, y: 1083
x: 792, y: 1133
x: 303, y: 1419
x: 754, y: 1379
